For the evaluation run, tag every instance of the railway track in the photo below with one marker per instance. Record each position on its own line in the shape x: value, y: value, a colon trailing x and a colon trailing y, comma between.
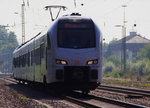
x: 132, y: 93
x: 67, y: 98
x: 36, y: 95
x: 85, y: 101
x: 117, y: 102
x: 109, y: 101
x: 80, y: 102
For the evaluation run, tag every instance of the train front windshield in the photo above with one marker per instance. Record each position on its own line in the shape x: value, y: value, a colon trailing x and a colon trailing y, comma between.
x: 76, y: 36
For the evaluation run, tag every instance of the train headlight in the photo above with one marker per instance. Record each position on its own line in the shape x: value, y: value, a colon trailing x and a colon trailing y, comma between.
x: 90, y: 62
x: 61, y: 62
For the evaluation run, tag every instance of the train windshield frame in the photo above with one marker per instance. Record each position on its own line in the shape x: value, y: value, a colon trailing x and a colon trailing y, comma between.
x: 76, y: 36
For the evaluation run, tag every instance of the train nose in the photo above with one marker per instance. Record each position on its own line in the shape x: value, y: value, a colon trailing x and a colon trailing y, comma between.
x: 77, y: 74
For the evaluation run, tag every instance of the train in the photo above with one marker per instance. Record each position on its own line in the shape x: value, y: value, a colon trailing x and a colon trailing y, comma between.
x: 68, y: 54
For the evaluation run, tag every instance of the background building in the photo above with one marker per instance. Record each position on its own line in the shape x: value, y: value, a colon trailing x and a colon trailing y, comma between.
x: 134, y: 42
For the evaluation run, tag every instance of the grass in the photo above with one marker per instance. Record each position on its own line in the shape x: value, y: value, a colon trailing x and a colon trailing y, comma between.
x: 126, y: 82
x: 23, y: 97
x: 143, y: 84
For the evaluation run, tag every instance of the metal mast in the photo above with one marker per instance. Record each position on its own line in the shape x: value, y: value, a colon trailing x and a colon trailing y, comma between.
x: 75, y: 4
x: 124, y: 39
x: 23, y: 22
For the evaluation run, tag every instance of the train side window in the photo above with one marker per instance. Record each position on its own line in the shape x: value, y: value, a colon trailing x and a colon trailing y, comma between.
x: 37, y: 56
x: 23, y: 60
x: 42, y: 50
x: 19, y: 61
x: 32, y: 57
x: 28, y: 58
x: 14, y: 62
x: 48, y: 42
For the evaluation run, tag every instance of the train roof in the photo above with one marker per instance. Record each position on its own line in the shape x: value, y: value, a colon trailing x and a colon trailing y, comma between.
x: 75, y: 17
x: 44, y: 31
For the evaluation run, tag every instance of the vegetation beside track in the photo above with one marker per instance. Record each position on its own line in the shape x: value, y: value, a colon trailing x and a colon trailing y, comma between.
x: 137, y: 69
x: 8, y: 42
x: 23, y: 97
x: 126, y: 82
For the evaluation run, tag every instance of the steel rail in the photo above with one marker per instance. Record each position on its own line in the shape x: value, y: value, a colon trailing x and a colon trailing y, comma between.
x: 107, y: 100
x: 80, y: 102
x: 68, y: 98
x: 117, y: 102
x: 125, y: 90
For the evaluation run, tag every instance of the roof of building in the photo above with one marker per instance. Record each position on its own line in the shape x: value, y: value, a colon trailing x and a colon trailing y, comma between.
x: 134, y: 38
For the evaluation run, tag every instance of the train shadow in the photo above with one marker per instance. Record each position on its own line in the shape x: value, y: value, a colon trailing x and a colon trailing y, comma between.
x: 34, y: 92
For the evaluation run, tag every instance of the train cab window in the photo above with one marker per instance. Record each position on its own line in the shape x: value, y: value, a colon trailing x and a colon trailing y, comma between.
x: 76, y: 36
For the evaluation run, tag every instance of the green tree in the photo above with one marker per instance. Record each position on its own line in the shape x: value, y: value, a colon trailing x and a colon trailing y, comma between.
x: 108, y: 67
x: 144, y: 53
x: 8, y: 43
x: 105, y: 48
x: 115, y: 60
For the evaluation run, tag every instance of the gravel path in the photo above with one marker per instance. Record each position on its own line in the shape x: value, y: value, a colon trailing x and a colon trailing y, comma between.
x: 9, y: 98
x: 20, y: 96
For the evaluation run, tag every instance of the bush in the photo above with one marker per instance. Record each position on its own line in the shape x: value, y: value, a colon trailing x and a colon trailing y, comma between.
x: 115, y: 60
x: 109, y: 66
x: 117, y: 74
x: 148, y: 78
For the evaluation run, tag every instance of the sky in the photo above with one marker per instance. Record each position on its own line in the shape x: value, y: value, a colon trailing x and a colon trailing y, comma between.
x: 106, y: 13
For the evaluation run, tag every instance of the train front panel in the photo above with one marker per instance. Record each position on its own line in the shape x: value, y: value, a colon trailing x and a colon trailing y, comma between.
x: 77, y: 53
